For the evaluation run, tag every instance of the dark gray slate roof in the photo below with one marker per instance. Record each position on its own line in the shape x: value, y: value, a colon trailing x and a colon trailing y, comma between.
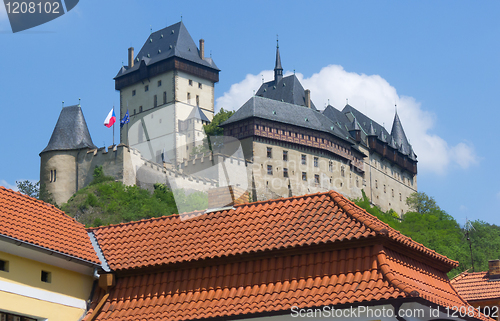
x: 287, y: 113
x: 172, y: 41
x: 399, y: 136
x: 289, y: 90
x: 197, y: 113
x: 71, y: 131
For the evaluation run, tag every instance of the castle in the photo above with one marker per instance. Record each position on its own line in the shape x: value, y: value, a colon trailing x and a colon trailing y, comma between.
x: 282, y: 144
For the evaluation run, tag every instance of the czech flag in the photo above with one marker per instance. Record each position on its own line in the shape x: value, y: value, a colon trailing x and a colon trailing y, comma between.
x: 110, y: 120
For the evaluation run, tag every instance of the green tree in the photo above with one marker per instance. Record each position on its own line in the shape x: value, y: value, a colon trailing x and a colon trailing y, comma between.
x: 213, y: 130
x: 421, y: 203
x: 29, y: 188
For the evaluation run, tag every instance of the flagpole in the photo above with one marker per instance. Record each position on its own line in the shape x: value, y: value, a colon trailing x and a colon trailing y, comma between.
x: 114, y: 127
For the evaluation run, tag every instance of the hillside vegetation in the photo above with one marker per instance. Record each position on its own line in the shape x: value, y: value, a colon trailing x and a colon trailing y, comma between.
x: 429, y: 225
x: 106, y: 202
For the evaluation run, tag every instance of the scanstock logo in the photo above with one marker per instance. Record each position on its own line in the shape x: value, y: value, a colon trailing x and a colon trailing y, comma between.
x: 31, y: 13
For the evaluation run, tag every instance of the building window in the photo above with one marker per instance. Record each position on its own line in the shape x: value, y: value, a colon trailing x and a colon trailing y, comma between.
x: 384, y: 188
x: 190, y: 82
x: 316, y: 162
x: 46, y: 277
x: 392, y: 191
x: 4, y: 265
x: 53, y: 175
x: 330, y: 166
x: 303, y: 159
x: 133, y: 92
x: 376, y: 184
x: 159, y: 83
x: 146, y: 88
x: 189, y: 98
x: 285, y: 155
x: 285, y: 172
x: 269, y: 152
x: 316, y: 179
x: 200, y: 85
x: 155, y: 99
x: 140, y: 109
x: 134, y: 111
x: 304, y: 176
x: 342, y: 171
x: 357, y: 182
x: 197, y: 100
x: 164, y: 97
x: 269, y: 170
x: 400, y: 197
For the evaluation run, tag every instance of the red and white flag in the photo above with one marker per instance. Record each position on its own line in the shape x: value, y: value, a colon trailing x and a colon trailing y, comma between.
x: 110, y: 120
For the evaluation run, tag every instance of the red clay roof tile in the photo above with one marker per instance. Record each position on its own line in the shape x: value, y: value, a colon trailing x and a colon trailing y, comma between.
x: 35, y: 222
x: 475, y: 286
x: 243, y: 230
x: 327, y: 266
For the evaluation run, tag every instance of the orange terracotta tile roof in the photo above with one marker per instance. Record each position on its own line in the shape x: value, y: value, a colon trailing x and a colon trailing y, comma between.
x: 35, y: 222
x: 476, y: 286
x: 265, y: 257
x: 248, y: 228
x: 274, y: 284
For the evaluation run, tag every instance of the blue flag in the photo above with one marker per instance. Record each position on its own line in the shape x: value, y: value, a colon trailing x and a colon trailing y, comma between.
x: 125, y: 119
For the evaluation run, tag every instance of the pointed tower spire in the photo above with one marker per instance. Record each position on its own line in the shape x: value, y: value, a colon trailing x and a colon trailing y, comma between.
x: 278, y: 70
x: 371, y: 131
x: 399, y: 136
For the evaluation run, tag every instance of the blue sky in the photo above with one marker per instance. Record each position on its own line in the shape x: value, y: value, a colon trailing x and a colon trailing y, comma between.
x: 438, y: 61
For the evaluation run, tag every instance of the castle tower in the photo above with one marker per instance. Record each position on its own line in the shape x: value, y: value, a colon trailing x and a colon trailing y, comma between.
x: 161, y: 86
x: 58, y: 161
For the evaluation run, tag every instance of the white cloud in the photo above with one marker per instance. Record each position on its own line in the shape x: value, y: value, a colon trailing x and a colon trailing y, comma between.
x: 7, y: 185
x: 376, y: 98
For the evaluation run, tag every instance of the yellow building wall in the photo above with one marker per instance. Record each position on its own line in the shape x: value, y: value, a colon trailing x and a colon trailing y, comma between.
x: 26, y: 274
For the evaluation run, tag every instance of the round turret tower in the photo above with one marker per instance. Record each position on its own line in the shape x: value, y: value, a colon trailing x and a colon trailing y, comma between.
x: 59, y: 160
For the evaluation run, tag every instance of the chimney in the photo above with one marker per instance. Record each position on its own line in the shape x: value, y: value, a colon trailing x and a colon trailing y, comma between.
x: 226, y: 196
x: 308, y: 98
x: 494, y: 269
x: 131, y: 57
x: 202, y: 49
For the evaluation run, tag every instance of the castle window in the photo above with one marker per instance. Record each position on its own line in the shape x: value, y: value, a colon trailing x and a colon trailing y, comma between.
x: 285, y: 172
x: 4, y: 265
x: 133, y: 92
x: 400, y: 197
x: 197, y: 100
x: 269, y: 170
x: 46, y: 276
x: 146, y: 88
x: 189, y: 98
x: 190, y: 82
x: 330, y: 166
x: 200, y: 85
x: 357, y: 182
x: 134, y: 111
x: 164, y: 97
x: 269, y: 152
x: 376, y: 184
x: 140, y: 109
x: 53, y: 175
x: 316, y: 179
x: 303, y: 159
x: 342, y: 171
x: 384, y: 188
x: 159, y: 83
x: 304, y: 176
x: 316, y: 162
x: 285, y: 155
x: 392, y: 192
x: 155, y: 98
